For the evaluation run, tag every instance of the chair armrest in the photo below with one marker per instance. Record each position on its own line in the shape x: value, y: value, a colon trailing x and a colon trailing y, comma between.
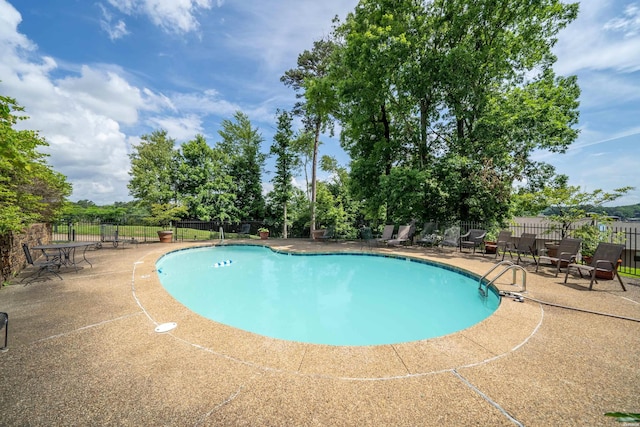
x: 604, y: 261
x: 566, y: 256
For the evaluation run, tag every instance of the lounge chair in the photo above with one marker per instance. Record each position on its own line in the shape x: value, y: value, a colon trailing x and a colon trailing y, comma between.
x: 367, y: 236
x: 567, y: 253
x: 451, y: 237
x: 329, y: 233
x: 473, y: 239
x: 605, y: 261
x: 428, y: 235
x: 405, y: 234
x: 387, y: 234
x: 501, y: 244
x: 50, y: 266
x: 245, y: 229
x: 526, y: 246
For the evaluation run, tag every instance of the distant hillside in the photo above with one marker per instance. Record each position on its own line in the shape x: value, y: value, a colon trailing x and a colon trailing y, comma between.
x: 624, y: 212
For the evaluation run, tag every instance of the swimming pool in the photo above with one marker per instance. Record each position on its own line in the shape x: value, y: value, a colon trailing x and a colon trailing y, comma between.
x: 335, y: 299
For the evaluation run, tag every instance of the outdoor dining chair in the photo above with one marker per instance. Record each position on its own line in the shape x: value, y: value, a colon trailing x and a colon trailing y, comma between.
x: 49, y: 266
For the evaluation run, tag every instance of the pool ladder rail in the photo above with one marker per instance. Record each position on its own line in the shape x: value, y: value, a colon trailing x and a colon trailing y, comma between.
x: 506, y: 266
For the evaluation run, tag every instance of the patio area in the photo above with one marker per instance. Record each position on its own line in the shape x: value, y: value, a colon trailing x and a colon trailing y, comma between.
x: 83, y: 351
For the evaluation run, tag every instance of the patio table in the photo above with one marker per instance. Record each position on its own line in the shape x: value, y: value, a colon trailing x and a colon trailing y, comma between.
x: 68, y: 252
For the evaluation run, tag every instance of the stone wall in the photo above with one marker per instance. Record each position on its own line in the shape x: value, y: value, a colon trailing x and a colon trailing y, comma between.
x: 12, y: 259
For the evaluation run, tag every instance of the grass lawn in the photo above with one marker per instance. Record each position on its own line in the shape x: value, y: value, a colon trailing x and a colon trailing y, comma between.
x: 139, y: 232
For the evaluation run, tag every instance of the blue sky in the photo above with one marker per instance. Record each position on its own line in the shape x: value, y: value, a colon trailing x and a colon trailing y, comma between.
x: 94, y: 76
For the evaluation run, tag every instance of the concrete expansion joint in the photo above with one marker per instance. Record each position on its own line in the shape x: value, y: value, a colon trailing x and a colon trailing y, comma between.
x: 219, y: 405
x: 304, y: 354
x: 83, y: 328
x: 401, y: 360
x: 487, y: 398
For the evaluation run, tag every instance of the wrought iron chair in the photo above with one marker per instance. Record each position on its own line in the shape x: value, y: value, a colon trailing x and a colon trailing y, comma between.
x: 4, y: 323
x: 451, y: 237
x: 49, y: 266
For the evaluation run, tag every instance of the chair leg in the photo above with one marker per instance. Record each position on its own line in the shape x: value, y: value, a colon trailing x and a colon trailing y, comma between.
x: 4, y: 323
x: 593, y: 279
x: 619, y: 279
x: 35, y: 275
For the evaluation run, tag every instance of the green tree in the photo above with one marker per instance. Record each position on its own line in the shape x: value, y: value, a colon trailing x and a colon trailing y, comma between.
x: 310, y: 80
x: 566, y: 204
x: 471, y: 95
x: 30, y: 190
x: 378, y: 125
x: 203, y: 184
x: 241, y: 143
x: 153, y: 169
x: 336, y: 206
x: 286, y: 163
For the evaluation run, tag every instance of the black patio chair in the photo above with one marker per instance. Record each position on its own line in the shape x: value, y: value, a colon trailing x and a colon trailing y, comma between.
x: 48, y: 265
x: 473, y: 239
x: 500, y: 245
x: 566, y: 254
x: 526, y: 246
x: 4, y: 323
x: 604, y: 263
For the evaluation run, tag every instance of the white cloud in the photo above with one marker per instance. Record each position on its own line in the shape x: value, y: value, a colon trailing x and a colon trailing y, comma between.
x: 174, y: 16
x: 602, y: 47
x: 277, y: 32
x: 593, y: 41
x: 79, y: 115
x: 179, y: 128
x: 114, y: 30
x: 207, y: 102
x: 10, y: 18
x: 601, y: 88
x: 629, y: 23
x: 104, y: 93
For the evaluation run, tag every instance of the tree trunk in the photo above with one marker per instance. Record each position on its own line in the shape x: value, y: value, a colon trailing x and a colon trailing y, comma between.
x: 284, y: 226
x: 423, y: 133
x: 314, y: 163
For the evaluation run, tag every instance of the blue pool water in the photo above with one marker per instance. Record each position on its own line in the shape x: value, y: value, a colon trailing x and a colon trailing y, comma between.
x: 336, y: 299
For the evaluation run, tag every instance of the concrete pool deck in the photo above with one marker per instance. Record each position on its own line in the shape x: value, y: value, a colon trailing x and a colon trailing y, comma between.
x: 83, y: 351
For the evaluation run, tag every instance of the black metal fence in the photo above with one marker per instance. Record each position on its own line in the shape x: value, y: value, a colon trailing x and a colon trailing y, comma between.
x: 214, y: 230
x: 138, y: 231
x: 547, y: 234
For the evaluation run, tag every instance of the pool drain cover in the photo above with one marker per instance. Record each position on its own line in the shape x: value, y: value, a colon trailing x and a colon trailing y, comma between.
x: 166, y: 327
